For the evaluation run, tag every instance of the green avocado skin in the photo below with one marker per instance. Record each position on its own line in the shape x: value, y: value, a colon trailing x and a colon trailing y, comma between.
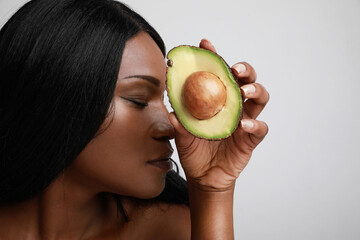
x: 182, y: 62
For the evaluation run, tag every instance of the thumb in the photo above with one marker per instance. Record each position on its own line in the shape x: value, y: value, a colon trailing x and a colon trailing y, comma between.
x: 183, y: 138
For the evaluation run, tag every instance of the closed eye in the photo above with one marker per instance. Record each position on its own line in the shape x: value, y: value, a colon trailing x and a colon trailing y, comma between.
x: 136, y: 102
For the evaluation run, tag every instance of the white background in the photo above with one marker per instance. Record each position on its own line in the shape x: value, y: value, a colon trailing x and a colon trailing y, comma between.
x: 303, y: 180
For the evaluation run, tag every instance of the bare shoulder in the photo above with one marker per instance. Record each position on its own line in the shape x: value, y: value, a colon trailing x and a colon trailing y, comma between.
x: 169, y: 221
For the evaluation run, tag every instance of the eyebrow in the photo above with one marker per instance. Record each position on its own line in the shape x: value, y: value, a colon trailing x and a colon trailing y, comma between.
x: 151, y: 79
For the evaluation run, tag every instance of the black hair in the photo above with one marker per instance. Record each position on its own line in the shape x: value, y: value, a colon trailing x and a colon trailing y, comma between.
x: 59, y: 62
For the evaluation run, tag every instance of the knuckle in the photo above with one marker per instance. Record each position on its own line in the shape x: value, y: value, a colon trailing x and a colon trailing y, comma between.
x: 268, y: 97
x: 252, y: 72
x: 266, y: 128
x: 261, y: 129
x: 263, y: 93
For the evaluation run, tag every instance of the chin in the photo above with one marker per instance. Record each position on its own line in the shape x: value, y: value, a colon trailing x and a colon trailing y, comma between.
x: 153, y: 193
x: 147, y: 190
x: 153, y: 187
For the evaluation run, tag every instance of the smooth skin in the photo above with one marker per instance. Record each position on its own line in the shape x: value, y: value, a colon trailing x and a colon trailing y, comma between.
x: 118, y: 160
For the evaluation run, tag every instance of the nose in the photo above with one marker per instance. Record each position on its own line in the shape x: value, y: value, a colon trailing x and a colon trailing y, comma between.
x: 162, y: 129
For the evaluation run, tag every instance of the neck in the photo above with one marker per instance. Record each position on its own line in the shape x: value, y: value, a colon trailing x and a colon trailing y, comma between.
x: 65, y: 210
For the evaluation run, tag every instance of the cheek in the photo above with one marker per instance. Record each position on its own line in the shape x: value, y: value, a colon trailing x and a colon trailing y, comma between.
x: 115, y: 160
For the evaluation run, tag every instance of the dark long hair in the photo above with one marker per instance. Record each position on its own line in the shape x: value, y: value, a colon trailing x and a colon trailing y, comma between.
x: 59, y: 62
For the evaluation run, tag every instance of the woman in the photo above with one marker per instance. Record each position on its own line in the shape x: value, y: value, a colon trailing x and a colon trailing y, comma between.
x: 84, y: 132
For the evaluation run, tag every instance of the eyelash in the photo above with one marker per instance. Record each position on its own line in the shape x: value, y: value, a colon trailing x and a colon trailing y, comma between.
x: 140, y: 104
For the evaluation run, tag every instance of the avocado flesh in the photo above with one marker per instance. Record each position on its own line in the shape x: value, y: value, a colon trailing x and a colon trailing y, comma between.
x: 185, y: 60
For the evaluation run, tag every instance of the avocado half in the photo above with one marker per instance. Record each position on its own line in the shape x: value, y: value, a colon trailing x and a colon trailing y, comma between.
x: 183, y: 61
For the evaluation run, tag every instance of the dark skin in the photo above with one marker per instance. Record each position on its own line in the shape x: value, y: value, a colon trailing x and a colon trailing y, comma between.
x: 212, y: 167
x: 119, y: 160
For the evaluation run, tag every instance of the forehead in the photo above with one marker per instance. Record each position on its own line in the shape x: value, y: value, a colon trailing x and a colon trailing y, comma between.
x: 142, y: 56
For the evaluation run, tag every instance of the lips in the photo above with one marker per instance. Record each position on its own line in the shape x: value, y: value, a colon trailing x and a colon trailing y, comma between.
x: 163, y: 162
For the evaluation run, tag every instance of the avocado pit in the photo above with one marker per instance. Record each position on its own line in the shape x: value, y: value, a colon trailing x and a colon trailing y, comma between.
x: 204, y: 94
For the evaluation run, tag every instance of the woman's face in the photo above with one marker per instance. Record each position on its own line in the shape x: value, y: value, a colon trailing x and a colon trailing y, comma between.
x: 127, y: 156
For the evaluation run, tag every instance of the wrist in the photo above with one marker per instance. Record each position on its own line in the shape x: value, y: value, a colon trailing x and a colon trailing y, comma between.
x: 209, y: 187
x: 211, y: 212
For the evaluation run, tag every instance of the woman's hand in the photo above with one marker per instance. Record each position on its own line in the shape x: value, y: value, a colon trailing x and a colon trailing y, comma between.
x: 215, y: 165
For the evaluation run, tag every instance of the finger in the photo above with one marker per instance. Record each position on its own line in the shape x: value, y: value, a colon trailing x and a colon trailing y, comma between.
x: 257, y: 98
x: 182, y: 137
x: 244, y: 72
x: 177, y: 125
x: 206, y: 44
x: 257, y: 130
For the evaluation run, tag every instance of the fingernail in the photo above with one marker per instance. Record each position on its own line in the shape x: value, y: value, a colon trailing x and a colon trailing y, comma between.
x: 247, y: 124
x: 248, y: 89
x: 240, y: 68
